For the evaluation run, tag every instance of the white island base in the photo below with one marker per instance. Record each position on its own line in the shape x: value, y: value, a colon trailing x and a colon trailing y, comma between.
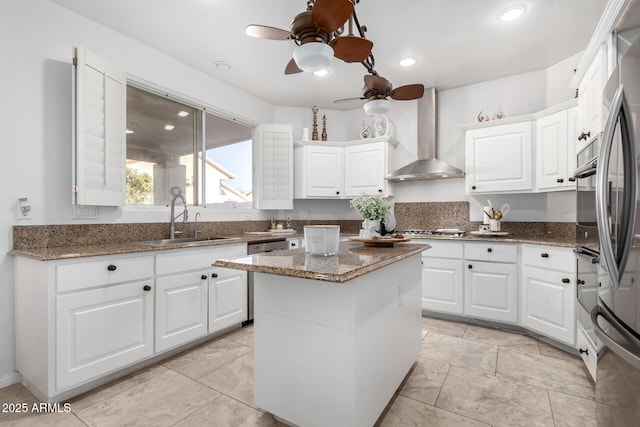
x: 333, y: 354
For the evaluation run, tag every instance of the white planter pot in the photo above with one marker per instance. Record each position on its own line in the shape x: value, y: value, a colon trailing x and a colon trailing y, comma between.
x: 370, y: 227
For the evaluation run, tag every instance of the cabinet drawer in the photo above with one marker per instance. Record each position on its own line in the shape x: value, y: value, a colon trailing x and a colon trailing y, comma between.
x: 491, y: 252
x: 587, y: 352
x: 104, y: 271
x: 196, y: 258
x: 441, y: 249
x: 562, y: 259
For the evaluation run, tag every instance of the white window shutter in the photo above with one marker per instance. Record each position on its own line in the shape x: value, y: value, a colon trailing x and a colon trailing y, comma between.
x: 273, y: 166
x: 100, y: 131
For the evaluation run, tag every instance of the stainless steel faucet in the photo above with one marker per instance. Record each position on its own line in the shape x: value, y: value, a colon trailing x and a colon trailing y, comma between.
x: 172, y: 231
x: 197, y: 230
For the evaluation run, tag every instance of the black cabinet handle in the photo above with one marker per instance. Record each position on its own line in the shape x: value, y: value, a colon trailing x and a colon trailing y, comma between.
x: 489, y: 250
x: 146, y: 288
x: 544, y: 255
x: 584, y: 136
x: 572, y: 179
x: 469, y: 266
x: 584, y: 351
x: 379, y: 191
x: 111, y: 267
x: 581, y: 282
x: 203, y: 277
x: 565, y: 280
x: 293, y: 245
x: 473, y: 187
x: 337, y: 192
x: 214, y: 275
x: 559, y: 180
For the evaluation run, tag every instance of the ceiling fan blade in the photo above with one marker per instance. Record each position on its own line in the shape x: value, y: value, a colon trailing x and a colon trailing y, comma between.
x: 378, y: 84
x: 329, y: 15
x: 407, y: 92
x: 266, y: 32
x: 292, y: 68
x: 351, y: 48
x: 343, y: 100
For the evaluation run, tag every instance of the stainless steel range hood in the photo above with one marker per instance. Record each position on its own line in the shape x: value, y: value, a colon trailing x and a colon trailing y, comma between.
x: 427, y: 166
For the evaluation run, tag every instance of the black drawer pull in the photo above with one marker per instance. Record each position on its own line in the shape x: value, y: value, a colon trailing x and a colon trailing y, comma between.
x: 469, y: 266
x: 559, y: 180
x: 111, y: 267
x: 146, y: 288
x: 214, y: 275
x: 379, y: 191
x: 544, y: 255
x: 337, y: 192
x: 473, y: 187
x: 565, y: 280
x: 572, y: 179
x: 581, y: 282
x: 203, y: 277
x: 489, y: 250
x: 584, y: 351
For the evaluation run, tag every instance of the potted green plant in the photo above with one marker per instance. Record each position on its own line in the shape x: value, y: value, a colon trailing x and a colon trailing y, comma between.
x: 372, y: 209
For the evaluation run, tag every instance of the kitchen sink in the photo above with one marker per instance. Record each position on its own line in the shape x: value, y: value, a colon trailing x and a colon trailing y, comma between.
x: 184, y: 240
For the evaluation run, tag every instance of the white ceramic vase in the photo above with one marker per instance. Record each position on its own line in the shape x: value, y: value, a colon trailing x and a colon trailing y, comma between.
x: 370, y: 227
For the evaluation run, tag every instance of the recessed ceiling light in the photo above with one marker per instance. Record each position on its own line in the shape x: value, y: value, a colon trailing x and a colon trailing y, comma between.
x: 512, y: 12
x: 183, y: 113
x: 129, y: 131
x: 221, y: 65
x: 407, y: 61
x: 321, y: 73
x: 169, y: 127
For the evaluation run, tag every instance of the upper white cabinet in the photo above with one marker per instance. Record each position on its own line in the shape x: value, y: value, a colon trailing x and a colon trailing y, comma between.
x: 273, y: 166
x: 498, y: 159
x: 328, y: 170
x: 590, y: 97
x: 556, y: 150
x: 99, y: 151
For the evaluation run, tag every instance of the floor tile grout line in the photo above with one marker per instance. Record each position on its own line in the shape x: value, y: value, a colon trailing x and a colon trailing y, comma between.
x: 198, y: 408
x: 442, y: 385
x: 553, y: 416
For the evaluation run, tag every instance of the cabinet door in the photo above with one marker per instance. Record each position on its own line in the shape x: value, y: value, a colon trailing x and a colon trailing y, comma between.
x: 227, y: 298
x: 318, y: 171
x: 552, y: 152
x: 273, y: 167
x: 181, y: 308
x: 498, y: 159
x: 101, y: 330
x: 548, y: 303
x: 365, y: 169
x: 442, y: 285
x: 490, y: 291
x: 590, y: 96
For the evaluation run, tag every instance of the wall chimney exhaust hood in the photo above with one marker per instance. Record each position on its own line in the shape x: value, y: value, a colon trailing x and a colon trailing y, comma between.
x: 427, y: 166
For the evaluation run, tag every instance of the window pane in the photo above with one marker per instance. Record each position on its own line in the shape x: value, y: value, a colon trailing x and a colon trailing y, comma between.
x: 228, y: 161
x: 161, y: 142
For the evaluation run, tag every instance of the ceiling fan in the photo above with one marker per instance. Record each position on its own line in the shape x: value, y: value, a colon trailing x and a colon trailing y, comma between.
x: 377, y: 89
x: 318, y: 34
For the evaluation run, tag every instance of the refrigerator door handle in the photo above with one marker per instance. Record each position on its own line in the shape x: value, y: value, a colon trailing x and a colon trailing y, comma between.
x: 587, y: 170
x: 633, y: 358
x: 619, y: 108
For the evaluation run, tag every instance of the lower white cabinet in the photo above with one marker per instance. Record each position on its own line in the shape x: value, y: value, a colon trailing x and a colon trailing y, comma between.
x: 442, y: 277
x: 181, y: 309
x: 227, y: 298
x: 548, y: 292
x: 491, y: 291
x: 101, y: 330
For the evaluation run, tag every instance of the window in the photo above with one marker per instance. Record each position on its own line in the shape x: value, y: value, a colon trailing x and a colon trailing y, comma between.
x: 166, y: 140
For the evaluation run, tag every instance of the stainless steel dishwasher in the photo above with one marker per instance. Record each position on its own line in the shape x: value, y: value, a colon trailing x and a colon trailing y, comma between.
x: 258, y: 248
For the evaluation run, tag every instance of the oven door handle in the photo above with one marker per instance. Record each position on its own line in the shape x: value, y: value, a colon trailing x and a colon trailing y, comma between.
x: 586, y: 170
x: 626, y: 354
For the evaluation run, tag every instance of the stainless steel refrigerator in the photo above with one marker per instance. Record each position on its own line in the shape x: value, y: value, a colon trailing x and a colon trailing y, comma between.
x: 616, y: 317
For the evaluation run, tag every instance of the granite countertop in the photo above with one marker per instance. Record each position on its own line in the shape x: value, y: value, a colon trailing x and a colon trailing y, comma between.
x: 351, y: 261
x: 550, y: 241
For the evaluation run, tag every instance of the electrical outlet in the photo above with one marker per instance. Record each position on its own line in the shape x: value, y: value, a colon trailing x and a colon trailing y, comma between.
x: 24, y: 208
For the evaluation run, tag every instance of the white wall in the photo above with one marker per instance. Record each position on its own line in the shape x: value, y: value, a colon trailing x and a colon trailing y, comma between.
x: 35, y: 121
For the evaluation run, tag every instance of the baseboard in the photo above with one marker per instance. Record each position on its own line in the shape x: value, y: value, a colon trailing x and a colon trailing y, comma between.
x: 10, y: 379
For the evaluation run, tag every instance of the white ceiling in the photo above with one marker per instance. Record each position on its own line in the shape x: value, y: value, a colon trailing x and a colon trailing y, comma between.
x: 456, y: 42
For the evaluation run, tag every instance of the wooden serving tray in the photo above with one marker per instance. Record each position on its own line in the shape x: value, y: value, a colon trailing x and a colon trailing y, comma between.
x: 379, y: 243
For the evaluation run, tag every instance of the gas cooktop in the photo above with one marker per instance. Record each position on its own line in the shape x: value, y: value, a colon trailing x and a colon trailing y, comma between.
x: 416, y: 233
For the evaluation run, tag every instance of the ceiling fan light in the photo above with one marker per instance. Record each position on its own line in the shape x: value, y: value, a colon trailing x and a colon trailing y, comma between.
x: 407, y: 61
x: 313, y: 56
x: 377, y: 106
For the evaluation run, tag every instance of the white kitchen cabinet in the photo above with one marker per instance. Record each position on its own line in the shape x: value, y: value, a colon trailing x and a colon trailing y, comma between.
x: 442, y: 277
x: 365, y: 167
x: 490, y: 282
x: 181, y: 309
x: 498, y: 159
x: 556, y: 150
x: 548, y: 292
x: 590, y: 97
x: 101, y: 330
x: 273, y: 166
x: 318, y: 171
x: 295, y: 242
x: 330, y: 170
x: 227, y: 298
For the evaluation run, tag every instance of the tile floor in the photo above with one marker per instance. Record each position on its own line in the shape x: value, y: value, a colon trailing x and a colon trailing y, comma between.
x: 466, y: 375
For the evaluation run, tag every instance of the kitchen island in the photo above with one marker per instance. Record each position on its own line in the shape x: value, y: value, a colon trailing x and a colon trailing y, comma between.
x: 334, y: 336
